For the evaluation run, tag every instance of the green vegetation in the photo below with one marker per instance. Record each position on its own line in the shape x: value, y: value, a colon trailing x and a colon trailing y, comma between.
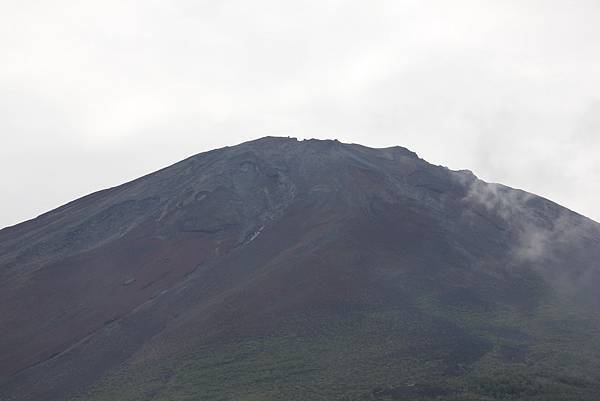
x: 435, y: 351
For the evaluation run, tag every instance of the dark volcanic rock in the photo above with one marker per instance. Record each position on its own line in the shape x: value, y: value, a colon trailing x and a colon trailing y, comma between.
x: 285, y: 269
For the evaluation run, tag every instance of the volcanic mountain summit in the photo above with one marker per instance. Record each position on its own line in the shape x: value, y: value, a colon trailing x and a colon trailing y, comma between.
x: 280, y: 269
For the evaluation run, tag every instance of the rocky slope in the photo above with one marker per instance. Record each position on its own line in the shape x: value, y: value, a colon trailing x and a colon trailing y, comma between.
x: 290, y: 270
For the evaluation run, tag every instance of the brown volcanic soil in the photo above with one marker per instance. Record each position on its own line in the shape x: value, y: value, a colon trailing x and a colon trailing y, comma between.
x: 443, y: 277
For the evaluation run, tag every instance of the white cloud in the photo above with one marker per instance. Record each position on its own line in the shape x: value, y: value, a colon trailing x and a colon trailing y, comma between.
x: 508, y: 89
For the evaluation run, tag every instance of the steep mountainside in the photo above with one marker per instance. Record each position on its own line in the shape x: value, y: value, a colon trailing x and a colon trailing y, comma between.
x: 292, y: 270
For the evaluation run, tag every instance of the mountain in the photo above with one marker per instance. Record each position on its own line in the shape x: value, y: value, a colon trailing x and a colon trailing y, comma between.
x: 280, y: 269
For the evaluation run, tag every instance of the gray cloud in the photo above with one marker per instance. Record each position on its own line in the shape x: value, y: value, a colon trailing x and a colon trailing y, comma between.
x: 539, y: 234
x: 96, y: 93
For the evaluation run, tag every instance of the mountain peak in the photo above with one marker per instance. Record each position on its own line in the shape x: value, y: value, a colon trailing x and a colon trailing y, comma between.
x: 264, y: 262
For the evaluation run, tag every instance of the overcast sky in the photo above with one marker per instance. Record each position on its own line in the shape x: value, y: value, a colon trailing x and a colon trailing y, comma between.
x: 95, y: 93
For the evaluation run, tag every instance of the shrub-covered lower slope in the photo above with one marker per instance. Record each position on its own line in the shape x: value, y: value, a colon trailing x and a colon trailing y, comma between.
x: 432, y: 352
